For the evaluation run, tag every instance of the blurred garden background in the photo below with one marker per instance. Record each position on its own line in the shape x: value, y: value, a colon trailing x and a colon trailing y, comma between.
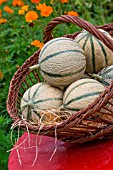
x: 22, y: 23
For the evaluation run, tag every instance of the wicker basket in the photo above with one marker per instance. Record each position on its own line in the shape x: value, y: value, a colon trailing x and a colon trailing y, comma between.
x: 82, y: 126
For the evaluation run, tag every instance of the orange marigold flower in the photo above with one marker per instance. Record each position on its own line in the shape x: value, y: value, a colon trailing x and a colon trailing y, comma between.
x: 25, y: 7
x: 0, y: 13
x: 30, y: 16
x: 73, y: 13
x: 17, y: 3
x: 41, y: 6
x: 64, y: 1
x: 35, y: 1
x: 37, y: 43
x: 21, y: 12
x: 2, y: 1
x: 8, y: 10
x: 2, y: 21
x: 45, y: 12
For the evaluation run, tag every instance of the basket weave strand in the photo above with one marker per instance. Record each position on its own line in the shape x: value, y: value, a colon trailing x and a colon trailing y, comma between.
x: 81, y: 23
x: 82, y: 126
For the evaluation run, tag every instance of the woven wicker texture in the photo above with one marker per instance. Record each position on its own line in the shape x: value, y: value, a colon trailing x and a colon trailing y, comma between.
x: 94, y: 122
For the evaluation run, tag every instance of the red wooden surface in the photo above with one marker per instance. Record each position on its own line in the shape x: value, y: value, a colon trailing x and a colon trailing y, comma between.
x: 95, y: 156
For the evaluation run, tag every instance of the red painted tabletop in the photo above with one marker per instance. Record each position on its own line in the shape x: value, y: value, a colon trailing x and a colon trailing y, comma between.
x: 34, y: 152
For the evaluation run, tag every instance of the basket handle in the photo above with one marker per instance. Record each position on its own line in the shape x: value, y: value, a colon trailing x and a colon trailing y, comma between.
x: 81, y: 23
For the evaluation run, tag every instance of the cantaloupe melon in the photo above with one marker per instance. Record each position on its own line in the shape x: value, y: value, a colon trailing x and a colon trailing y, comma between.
x: 105, y: 76
x: 61, y: 62
x: 38, y: 98
x: 81, y: 93
x: 98, y: 55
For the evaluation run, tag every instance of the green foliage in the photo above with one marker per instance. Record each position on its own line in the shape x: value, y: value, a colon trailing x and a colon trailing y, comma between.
x: 5, y: 143
x: 16, y: 36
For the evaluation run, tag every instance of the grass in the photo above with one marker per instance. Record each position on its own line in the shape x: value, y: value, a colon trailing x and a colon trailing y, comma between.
x: 16, y: 36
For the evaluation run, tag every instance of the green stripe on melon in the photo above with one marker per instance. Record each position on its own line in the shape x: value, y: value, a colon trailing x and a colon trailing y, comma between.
x: 81, y: 93
x: 50, y: 43
x: 82, y: 97
x: 24, y: 99
x: 60, y: 52
x: 103, y: 50
x: 61, y: 62
x: 83, y: 33
x: 29, y: 93
x: 45, y: 100
x: 40, y: 97
x: 62, y: 75
x: 72, y: 89
x: 85, y: 43
x: 38, y: 91
x: 98, y: 55
x: 93, y: 54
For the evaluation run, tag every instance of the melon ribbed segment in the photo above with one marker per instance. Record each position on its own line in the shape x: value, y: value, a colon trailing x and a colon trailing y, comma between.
x: 38, y: 98
x: 62, y: 61
x: 98, y: 55
x: 106, y: 75
x: 81, y: 93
